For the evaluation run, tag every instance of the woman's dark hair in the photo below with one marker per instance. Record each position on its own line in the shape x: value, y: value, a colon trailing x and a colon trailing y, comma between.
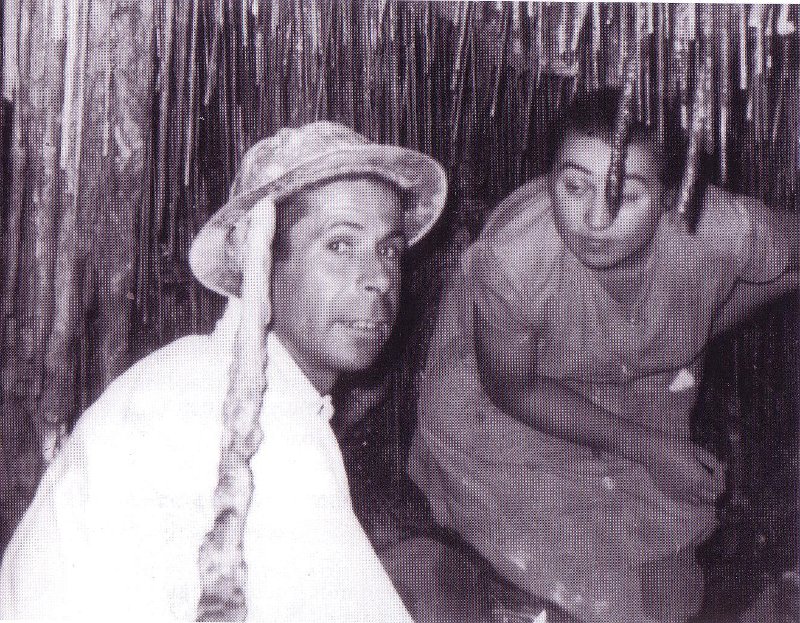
x: 593, y: 114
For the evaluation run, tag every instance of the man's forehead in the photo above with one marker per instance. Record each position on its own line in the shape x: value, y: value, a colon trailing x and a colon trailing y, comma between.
x: 345, y: 187
x: 360, y: 201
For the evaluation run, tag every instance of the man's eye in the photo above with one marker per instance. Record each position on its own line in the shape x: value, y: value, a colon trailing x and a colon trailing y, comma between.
x: 392, y: 251
x: 340, y: 245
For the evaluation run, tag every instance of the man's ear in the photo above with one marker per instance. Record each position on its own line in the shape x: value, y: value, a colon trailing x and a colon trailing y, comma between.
x: 237, y: 239
x: 551, y: 177
x: 241, y: 228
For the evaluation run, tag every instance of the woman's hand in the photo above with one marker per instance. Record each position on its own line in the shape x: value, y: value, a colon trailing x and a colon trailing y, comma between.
x: 684, y: 471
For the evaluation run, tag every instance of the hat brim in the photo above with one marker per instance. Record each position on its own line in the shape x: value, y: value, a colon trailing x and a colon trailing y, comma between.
x: 218, y: 268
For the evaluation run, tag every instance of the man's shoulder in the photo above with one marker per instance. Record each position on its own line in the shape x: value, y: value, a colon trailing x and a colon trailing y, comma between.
x: 171, y: 388
x: 188, y: 364
x: 157, y: 427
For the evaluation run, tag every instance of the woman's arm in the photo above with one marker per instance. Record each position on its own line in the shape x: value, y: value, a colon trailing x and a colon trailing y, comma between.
x: 774, y: 235
x: 507, y: 367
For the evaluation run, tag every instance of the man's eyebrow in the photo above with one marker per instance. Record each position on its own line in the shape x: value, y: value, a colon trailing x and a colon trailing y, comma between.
x: 571, y: 164
x: 350, y: 224
x: 396, y: 233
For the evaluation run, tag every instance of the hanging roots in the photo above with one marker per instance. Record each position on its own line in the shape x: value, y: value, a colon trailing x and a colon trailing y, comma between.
x: 619, y: 139
x: 687, y: 195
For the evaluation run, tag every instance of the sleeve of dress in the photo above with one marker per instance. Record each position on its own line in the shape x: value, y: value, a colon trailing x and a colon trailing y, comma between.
x: 501, y: 299
x: 514, y: 261
x: 752, y: 247
x: 750, y: 234
x: 769, y: 248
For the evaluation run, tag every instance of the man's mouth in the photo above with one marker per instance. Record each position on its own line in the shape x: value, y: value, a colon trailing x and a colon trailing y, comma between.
x: 369, y: 327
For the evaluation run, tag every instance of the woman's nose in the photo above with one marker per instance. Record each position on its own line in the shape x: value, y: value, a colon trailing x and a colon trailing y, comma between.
x: 598, y: 215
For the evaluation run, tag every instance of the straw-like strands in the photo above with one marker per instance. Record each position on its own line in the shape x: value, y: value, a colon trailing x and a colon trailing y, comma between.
x: 619, y: 140
x: 698, y: 129
x: 74, y: 191
x: 223, y: 570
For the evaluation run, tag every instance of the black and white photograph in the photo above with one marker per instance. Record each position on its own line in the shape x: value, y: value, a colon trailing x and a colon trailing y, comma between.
x: 403, y: 311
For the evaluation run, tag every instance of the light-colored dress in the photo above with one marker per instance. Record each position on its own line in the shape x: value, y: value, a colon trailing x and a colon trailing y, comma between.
x: 117, y: 522
x: 558, y: 518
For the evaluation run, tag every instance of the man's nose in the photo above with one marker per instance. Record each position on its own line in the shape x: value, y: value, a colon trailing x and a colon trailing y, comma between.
x: 598, y: 216
x: 376, y: 277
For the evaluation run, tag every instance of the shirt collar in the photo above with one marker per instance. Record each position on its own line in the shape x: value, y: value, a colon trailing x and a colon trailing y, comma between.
x: 282, y: 369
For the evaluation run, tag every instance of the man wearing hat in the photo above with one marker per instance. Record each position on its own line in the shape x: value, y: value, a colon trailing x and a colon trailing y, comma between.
x: 118, y: 521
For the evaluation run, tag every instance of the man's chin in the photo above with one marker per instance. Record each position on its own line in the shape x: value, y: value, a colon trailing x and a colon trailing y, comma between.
x: 358, y: 357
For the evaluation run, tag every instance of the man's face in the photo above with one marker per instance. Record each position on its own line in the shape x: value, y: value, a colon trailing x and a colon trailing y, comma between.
x: 335, y: 296
x: 582, y: 215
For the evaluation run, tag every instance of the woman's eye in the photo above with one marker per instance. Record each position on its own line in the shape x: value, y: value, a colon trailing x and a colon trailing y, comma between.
x: 632, y: 195
x: 575, y: 186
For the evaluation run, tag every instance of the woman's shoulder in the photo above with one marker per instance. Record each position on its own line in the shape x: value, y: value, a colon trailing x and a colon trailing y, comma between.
x: 521, y: 238
x: 726, y: 219
x: 520, y: 213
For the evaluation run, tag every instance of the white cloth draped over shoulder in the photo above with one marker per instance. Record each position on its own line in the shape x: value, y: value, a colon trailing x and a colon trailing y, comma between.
x: 119, y: 516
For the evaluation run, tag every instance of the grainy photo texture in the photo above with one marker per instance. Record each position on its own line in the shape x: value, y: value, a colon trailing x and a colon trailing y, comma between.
x: 394, y: 310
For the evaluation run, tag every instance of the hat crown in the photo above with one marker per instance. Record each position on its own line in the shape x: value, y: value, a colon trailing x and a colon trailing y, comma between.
x: 289, y: 149
x: 297, y: 158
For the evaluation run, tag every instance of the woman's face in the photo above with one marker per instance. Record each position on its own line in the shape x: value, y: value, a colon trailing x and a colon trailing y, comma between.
x: 582, y: 215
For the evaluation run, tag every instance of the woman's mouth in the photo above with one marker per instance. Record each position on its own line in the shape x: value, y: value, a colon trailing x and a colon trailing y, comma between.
x: 596, y: 244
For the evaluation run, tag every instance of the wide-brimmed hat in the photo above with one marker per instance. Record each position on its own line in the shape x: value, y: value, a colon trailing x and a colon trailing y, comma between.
x: 295, y: 158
